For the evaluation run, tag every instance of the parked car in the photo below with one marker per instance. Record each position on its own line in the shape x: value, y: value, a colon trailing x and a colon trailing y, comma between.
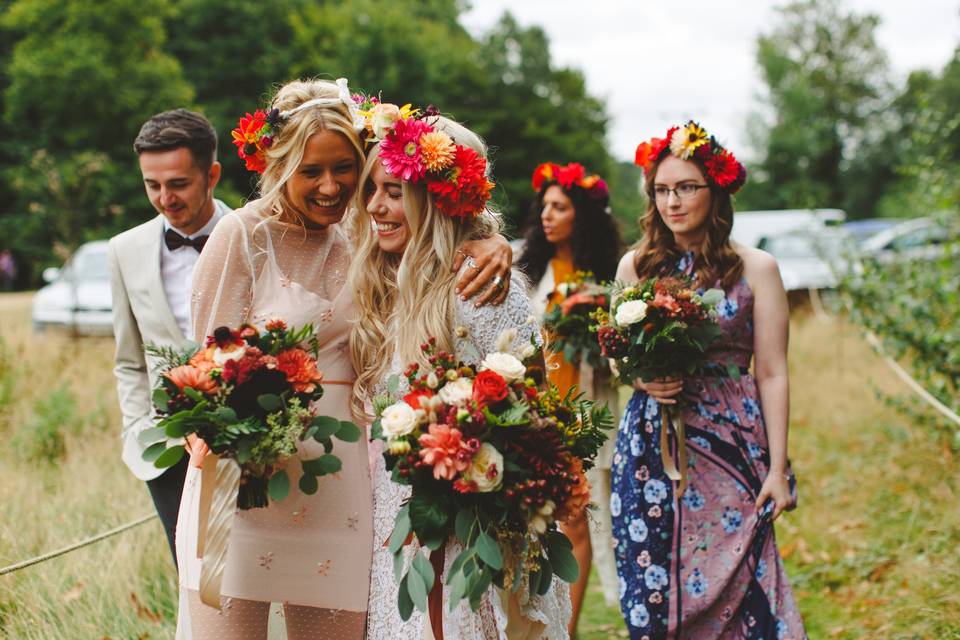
x: 810, y: 260
x: 749, y: 227
x: 914, y: 239
x: 78, y: 295
x: 861, y: 230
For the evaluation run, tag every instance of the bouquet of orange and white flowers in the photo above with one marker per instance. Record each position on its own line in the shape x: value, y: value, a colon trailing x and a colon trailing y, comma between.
x: 570, y: 322
x: 248, y: 395
x: 495, y: 461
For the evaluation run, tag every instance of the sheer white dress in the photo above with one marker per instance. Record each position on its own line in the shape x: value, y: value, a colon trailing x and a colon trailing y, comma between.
x: 483, y: 327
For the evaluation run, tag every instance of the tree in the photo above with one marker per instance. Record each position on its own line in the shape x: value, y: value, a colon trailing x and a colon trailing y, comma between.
x: 82, y: 78
x: 825, y: 78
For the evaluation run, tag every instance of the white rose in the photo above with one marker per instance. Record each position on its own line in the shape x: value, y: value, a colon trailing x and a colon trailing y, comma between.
x: 631, y: 312
x: 398, y: 420
x: 382, y: 118
x: 458, y: 392
x: 486, y: 469
x: 509, y: 368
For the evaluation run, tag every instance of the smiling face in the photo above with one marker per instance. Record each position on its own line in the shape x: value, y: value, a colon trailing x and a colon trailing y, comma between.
x: 325, y: 180
x: 557, y: 216
x: 685, y: 216
x: 178, y: 188
x: 384, y: 197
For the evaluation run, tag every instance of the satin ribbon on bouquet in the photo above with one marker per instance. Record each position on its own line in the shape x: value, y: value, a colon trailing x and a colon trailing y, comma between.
x: 672, y: 419
x: 219, y: 486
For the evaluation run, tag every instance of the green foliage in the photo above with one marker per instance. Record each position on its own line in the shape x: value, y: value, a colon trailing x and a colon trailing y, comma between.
x: 825, y: 77
x: 42, y: 438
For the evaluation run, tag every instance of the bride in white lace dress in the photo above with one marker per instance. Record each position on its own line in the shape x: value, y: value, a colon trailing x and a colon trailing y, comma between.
x: 405, y: 294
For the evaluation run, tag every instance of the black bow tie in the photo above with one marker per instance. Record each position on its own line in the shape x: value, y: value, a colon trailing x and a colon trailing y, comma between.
x: 174, y: 241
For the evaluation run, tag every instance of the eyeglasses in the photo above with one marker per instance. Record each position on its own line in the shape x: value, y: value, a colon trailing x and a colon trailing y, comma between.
x: 683, y: 192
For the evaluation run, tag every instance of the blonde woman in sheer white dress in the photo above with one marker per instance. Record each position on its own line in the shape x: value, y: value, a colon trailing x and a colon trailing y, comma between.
x: 286, y: 256
x: 406, y: 293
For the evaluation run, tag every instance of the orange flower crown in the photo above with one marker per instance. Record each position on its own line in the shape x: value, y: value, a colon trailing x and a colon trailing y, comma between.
x: 569, y: 176
x: 693, y: 141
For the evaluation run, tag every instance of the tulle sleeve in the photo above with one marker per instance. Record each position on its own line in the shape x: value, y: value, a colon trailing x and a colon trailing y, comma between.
x: 223, y: 279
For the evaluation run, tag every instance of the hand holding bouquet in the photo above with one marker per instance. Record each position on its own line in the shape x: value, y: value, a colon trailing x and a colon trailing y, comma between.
x: 660, y: 328
x: 493, y: 461
x: 570, y: 321
x: 247, y: 395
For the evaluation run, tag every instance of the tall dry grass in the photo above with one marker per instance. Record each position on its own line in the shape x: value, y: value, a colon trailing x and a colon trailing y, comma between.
x: 872, y: 551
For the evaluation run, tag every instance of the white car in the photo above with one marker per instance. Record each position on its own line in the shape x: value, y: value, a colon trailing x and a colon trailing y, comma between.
x: 78, y: 295
x: 914, y: 239
x: 750, y: 227
x: 810, y: 260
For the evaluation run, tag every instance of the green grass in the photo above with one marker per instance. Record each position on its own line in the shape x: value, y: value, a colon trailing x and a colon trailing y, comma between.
x: 872, y: 551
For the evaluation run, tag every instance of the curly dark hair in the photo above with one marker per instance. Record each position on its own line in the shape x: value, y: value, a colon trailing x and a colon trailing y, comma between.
x: 596, y: 239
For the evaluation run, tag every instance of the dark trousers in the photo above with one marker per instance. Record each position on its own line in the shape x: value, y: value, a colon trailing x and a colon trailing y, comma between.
x: 166, y: 490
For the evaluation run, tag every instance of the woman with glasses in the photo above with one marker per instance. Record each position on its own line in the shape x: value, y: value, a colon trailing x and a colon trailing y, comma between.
x: 570, y: 229
x: 702, y: 562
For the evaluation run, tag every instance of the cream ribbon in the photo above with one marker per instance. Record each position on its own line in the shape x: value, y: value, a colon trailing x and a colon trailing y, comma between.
x: 219, y: 486
x: 673, y: 418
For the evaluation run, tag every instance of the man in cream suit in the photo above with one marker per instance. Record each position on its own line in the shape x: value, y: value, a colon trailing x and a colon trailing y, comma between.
x: 151, y: 269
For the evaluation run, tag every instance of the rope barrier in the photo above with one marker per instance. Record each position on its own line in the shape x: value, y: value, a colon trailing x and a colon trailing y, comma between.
x: 901, y: 373
x: 78, y: 545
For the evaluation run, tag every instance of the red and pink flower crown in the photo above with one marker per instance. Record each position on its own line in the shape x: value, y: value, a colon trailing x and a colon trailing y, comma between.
x: 573, y: 174
x: 693, y: 141
x: 415, y: 151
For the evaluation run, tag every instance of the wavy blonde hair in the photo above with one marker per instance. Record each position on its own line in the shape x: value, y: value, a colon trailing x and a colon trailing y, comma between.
x: 656, y: 250
x: 285, y: 154
x: 403, y: 300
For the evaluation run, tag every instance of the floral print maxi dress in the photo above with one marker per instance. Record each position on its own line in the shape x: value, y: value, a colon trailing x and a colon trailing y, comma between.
x: 707, y: 567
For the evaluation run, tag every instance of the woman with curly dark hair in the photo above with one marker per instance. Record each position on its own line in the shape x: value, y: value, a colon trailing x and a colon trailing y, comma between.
x: 570, y: 229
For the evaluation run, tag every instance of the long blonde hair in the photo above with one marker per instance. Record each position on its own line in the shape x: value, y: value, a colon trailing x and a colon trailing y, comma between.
x: 403, y: 300
x: 286, y: 152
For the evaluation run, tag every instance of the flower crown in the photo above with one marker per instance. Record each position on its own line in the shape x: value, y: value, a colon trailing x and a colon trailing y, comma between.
x: 413, y: 150
x: 257, y: 131
x: 692, y: 140
x: 573, y: 174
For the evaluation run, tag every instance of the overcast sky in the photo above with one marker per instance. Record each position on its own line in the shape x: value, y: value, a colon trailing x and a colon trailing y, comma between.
x: 658, y: 62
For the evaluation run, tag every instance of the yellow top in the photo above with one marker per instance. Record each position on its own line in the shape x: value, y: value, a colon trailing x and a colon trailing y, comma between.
x: 560, y: 372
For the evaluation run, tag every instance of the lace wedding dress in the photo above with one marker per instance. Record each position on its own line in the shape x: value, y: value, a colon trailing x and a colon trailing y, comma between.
x: 546, y: 616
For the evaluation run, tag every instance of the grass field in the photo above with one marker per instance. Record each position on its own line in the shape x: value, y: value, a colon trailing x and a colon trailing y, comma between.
x: 872, y: 551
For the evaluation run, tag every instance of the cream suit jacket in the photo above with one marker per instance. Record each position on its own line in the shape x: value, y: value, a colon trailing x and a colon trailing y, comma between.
x: 141, y: 315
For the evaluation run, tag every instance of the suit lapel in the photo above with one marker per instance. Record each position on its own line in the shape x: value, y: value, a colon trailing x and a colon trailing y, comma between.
x: 158, y: 296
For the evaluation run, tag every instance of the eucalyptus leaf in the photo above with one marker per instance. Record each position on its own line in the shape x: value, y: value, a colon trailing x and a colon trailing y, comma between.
x: 153, y: 451
x: 308, y: 484
x: 458, y: 587
x: 226, y: 414
x: 564, y: 564
x: 401, y: 529
x: 416, y: 587
x: 348, y: 432
x: 329, y: 463
x: 244, y: 450
x: 404, y: 602
x: 151, y: 435
x: 398, y: 564
x: 169, y: 457
x: 458, y: 562
x: 278, y: 487
x: 161, y: 398
x: 269, y: 402
x: 462, y: 525
x: 323, y: 427
x: 193, y: 394
x: 425, y: 569
x: 488, y: 550
x: 393, y: 383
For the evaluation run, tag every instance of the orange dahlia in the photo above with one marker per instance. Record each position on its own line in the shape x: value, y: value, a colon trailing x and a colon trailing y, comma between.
x: 437, y: 150
x: 300, y: 369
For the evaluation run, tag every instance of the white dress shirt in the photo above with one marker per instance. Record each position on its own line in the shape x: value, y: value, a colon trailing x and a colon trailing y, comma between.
x: 176, y: 269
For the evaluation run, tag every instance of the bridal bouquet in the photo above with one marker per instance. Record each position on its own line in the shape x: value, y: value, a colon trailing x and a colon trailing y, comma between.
x: 248, y: 395
x: 661, y: 328
x: 570, y: 321
x: 495, y: 461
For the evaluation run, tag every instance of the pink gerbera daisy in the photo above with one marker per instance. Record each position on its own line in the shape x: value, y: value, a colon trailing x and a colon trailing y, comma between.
x: 443, y: 449
x: 400, y: 150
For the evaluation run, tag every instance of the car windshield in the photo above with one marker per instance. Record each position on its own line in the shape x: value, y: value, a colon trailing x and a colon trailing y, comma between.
x: 793, y: 247
x: 90, y: 265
